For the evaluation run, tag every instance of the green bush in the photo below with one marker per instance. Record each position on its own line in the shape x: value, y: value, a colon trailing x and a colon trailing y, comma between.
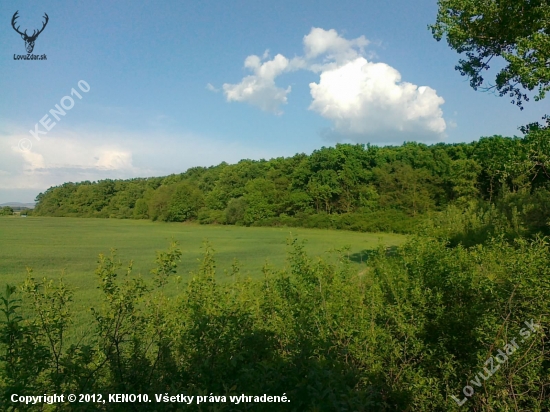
x: 406, y: 333
x: 6, y: 211
x: 380, y: 221
x: 474, y: 224
x: 208, y: 216
x: 141, y: 210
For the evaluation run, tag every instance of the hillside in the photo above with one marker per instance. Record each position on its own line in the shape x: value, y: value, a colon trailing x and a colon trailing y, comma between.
x: 356, y: 187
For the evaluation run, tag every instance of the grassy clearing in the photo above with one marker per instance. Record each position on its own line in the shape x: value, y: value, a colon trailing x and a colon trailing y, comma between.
x: 70, y: 246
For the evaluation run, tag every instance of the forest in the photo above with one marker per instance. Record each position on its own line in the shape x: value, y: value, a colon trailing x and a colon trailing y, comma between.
x: 355, y: 187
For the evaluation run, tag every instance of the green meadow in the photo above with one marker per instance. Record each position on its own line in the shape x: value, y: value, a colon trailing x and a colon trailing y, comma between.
x: 69, y: 247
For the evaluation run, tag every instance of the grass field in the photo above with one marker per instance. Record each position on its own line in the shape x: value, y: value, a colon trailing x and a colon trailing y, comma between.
x: 70, y: 246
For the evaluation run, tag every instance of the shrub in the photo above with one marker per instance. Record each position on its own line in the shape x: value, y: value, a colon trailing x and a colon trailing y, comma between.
x: 407, y: 333
x: 6, y: 211
x: 208, y: 216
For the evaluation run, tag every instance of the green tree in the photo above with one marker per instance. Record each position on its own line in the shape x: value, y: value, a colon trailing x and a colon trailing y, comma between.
x: 185, y: 202
x: 235, y: 211
x: 261, y: 200
x: 401, y: 186
x: 464, y: 174
x: 6, y: 211
x: 518, y: 31
x: 158, y: 205
x: 141, y: 211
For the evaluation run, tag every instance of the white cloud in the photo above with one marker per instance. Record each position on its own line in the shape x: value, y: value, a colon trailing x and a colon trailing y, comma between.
x: 74, y: 156
x: 110, y: 159
x: 259, y: 89
x: 55, y: 160
x: 366, y: 101
x: 33, y: 160
x: 336, y: 48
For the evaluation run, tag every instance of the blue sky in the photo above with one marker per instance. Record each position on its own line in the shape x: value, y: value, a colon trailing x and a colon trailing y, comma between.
x: 181, y: 84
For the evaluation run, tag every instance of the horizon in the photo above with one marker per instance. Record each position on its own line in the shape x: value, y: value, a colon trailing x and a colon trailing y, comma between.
x: 8, y: 203
x: 160, y: 88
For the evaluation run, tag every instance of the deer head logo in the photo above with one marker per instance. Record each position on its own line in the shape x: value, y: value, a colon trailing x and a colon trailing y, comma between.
x: 29, y: 40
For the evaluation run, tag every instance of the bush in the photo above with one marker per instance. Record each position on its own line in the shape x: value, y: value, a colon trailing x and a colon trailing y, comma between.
x: 406, y: 334
x: 6, y: 211
x: 381, y: 221
x: 208, y: 216
x: 473, y: 225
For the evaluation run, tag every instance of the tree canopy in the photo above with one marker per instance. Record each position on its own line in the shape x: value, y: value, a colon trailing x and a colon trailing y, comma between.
x: 518, y: 31
x: 364, y: 188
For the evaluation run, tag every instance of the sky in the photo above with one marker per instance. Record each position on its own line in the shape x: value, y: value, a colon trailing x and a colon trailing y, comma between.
x: 149, y: 88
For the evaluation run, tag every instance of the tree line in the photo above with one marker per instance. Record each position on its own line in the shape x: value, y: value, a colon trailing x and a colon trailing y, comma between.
x: 357, y: 187
x: 6, y: 211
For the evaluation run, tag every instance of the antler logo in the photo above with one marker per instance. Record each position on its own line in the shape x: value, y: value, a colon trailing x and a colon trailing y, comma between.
x: 29, y: 40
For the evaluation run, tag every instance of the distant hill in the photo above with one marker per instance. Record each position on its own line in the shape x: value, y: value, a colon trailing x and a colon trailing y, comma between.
x: 18, y: 205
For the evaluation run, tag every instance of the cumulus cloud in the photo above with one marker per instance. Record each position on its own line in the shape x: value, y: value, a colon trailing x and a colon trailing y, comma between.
x: 335, y: 48
x: 55, y: 160
x: 365, y: 100
x: 259, y: 89
x: 368, y: 100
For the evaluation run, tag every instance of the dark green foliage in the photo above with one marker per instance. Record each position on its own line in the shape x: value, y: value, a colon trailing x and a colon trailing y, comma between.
x: 405, y: 188
x: 381, y: 221
x: 405, y: 333
x: 356, y: 187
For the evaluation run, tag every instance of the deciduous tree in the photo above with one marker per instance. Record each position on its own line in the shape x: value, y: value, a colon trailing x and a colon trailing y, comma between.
x: 518, y: 31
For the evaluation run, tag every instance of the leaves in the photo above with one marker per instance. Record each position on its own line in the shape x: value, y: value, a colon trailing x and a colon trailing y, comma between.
x: 404, y: 334
x: 514, y: 31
